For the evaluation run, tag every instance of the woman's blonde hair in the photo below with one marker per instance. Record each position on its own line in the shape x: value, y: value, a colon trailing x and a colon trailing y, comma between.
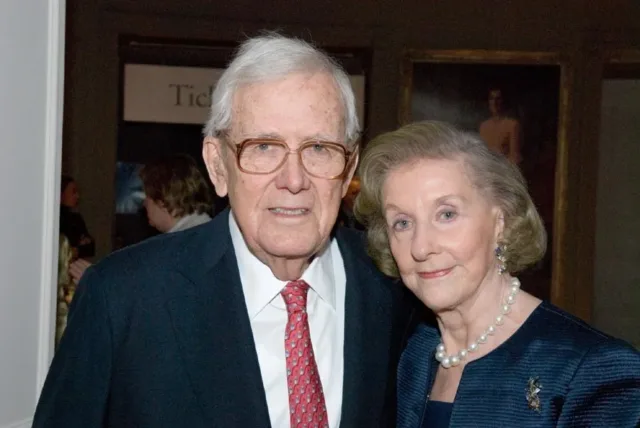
x: 524, y: 238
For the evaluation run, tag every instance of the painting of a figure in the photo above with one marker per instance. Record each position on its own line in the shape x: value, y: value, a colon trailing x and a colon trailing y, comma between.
x: 501, y: 132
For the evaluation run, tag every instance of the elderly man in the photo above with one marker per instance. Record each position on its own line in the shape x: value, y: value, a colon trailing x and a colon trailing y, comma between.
x: 264, y: 316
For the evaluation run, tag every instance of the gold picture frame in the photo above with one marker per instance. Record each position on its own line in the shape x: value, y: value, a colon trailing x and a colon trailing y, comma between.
x: 622, y: 56
x: 413, y: 57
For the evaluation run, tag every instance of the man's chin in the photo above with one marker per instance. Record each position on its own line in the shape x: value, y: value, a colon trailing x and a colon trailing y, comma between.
x: 293, y: 246
x: 292, y: 251
x: 292, y: 241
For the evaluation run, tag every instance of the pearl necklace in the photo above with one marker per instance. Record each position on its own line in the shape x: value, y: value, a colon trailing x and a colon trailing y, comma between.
x: 447, y: 360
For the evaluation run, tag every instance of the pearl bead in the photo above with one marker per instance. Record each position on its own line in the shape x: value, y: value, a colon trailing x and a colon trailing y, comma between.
x: 448, y: 361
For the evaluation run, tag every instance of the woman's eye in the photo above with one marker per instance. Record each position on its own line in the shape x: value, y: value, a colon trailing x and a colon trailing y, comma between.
x: 401, y: 224
x: 448, y: 215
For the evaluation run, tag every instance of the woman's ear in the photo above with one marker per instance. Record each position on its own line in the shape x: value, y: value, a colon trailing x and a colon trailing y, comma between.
x: 213, y: 155
x: 499, y: 225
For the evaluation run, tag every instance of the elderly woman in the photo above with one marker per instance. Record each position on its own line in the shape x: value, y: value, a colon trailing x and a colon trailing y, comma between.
x: 454, y: 220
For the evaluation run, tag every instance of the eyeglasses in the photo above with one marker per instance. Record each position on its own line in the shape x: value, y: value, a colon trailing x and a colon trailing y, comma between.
x: 321, y: 159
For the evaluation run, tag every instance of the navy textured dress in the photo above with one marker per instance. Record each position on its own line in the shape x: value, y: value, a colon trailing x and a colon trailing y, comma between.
x: 554, y: 371
x: 437, y: 414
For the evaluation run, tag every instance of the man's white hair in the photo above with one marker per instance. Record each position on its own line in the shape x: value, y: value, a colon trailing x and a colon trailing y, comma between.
x: 273, y: 57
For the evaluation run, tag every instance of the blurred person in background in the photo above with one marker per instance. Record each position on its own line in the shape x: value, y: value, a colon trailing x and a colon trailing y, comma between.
x: 72, y: 225
x: 177, y: 197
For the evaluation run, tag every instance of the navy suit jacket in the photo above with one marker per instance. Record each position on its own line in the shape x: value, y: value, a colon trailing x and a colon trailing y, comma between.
x: 159, y: 336
x: 587, y: 379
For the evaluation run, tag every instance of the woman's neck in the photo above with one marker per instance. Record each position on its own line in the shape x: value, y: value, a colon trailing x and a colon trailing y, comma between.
x: 463, y: 325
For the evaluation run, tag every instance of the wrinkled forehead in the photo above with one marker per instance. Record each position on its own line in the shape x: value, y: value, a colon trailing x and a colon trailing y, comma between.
x: 450, y: 171
x: 307, y: 104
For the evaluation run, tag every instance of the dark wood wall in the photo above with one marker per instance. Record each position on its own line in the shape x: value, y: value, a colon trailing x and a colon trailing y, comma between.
x: 584, y: 31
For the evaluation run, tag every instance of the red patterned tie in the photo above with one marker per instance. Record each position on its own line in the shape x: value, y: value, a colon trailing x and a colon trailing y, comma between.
x: 306, y: 400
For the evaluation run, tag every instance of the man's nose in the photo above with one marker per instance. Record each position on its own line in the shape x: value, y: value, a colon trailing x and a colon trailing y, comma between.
x: 292, y: 175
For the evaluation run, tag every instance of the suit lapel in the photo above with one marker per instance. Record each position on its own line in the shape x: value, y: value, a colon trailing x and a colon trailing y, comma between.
x: 214, y: 334
x: 416, y: 373
x: 213, y: 331
x: 368, y: 328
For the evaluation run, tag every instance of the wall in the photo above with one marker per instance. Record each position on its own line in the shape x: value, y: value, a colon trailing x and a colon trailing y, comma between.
x: 617, y: 278
x: 31, y: 48
x: 577, y: 29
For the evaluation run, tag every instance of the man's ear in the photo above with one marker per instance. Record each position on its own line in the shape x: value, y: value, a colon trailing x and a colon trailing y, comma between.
x: 213, y: 155
x: 353, y: 165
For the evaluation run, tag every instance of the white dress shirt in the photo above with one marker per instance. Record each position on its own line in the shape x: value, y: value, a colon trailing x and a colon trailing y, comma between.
x: 268, y: 314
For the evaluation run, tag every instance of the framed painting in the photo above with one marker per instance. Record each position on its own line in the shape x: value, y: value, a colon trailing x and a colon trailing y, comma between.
x: 517, y: 102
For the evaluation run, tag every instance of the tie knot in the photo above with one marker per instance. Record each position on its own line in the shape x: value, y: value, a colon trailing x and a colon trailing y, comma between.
x: 295, y: 296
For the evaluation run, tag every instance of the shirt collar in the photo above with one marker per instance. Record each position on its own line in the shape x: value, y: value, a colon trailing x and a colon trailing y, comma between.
x: 189, y: 220
x: 179, y: 223
x: 259, y: 284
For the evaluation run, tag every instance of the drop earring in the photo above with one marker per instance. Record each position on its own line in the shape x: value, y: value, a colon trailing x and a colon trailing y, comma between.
x: 501, y: 249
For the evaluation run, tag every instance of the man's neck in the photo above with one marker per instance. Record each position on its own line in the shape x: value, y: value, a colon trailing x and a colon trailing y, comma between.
x: 287, y: 269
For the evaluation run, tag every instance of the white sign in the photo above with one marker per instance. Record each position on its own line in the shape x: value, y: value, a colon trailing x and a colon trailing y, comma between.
x: 167, y: 94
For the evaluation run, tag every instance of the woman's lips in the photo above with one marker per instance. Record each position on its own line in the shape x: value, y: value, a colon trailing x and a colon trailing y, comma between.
x: 435, y: 273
